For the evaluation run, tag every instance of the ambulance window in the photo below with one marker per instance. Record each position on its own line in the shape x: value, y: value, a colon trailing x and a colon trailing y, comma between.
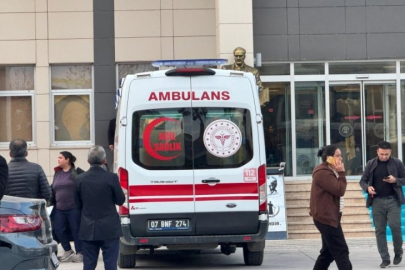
x: 185, y: 138
x: 160, y: 139
x: 222, y: 137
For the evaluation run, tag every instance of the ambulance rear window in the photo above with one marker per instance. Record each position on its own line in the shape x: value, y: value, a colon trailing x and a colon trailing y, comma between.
x: 192, y: 138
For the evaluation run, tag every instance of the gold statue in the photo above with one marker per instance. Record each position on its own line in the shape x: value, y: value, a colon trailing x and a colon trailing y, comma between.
x: 239, y: 55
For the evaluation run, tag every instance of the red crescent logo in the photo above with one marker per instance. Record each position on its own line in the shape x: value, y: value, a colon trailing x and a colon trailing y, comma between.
x: 146, y: 138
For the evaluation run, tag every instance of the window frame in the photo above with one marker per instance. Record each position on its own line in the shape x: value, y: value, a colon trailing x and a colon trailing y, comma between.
x: 23, y: 93
x: 71, y: 92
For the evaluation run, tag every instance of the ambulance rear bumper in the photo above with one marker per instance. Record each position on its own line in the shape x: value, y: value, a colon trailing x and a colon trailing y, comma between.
x: 128, y: 239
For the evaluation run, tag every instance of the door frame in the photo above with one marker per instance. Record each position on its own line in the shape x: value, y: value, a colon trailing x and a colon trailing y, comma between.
x: 361, y: 82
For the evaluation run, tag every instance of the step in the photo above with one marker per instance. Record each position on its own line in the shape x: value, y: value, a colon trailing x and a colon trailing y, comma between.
x: 317, y: 235
x: 305, y: 217
x: 306, y: 194
x: 314, y: 234
x: 360, y: 201
x: 345, y: 226
x: 361, y: 210
x: 306, y: 186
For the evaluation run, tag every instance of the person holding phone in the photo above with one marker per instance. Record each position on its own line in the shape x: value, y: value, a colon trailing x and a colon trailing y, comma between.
x: 326, y: 206
x: 383, y: 179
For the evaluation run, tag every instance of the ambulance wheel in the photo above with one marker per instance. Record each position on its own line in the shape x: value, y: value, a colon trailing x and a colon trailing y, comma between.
x: 127, y: 261
x: 252, y: 257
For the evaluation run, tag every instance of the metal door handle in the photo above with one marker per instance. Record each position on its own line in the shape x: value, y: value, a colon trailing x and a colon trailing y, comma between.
x: 207, y: 181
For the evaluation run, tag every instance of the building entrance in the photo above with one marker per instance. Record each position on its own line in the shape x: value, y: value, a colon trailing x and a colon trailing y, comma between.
x: 362, y: 113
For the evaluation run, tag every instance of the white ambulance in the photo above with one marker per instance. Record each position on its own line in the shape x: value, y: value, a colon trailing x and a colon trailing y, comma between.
x: 189, y: 152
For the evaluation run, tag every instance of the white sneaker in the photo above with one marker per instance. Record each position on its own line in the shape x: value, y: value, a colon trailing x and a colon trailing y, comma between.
x: 78, y: 258
x: 67, y: 255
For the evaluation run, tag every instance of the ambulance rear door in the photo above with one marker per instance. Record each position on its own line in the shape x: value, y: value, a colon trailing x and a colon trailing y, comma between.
x: 161, y: 187
x: 226, y: 154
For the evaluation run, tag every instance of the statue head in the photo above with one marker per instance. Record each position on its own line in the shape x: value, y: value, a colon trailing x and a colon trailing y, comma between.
x: 239, y: 55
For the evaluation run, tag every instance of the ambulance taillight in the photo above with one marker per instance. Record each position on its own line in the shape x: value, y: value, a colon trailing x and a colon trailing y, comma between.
x: 123, y: 178
x: 262, y: 188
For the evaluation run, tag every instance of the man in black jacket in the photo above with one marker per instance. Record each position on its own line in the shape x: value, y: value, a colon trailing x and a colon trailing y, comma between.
x: 99, y: 192
x: 26, y: 179
x: 3, y: 176
x: 383, y: 179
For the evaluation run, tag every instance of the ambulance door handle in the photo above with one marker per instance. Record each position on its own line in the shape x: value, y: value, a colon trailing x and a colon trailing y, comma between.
x: 210, y: 181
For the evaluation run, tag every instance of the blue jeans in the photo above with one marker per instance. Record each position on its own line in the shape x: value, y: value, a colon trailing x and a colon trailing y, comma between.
x: 66, y: 224
x: 388, y: 210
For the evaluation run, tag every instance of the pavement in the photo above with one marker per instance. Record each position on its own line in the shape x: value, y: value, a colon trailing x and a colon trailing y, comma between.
x: 279, y: 255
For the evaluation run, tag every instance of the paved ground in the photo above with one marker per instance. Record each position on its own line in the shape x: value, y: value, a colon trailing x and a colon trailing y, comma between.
x: 279, y: 255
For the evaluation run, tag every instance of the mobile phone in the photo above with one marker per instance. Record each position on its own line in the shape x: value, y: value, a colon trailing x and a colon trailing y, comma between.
x: 330, y: 160
x: 386, y: 177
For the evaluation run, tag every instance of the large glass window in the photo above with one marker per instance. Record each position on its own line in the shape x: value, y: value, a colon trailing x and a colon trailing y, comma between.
x: 277, y: 126
x: 309, y: 68
x: 310, y: 124
x: 274, y: 69
x: 16, y: 95
x: 168, y: 139
x: 71, y: 94
x: 362, y: 67
x: 126, y: 69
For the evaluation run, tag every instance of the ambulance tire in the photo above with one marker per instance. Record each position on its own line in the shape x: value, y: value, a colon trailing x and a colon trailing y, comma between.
x: 127, y: 261
x: 252, y: 257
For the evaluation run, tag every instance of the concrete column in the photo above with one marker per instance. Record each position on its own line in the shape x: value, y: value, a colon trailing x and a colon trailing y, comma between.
x: 234, y: 28
x: 42, y: 103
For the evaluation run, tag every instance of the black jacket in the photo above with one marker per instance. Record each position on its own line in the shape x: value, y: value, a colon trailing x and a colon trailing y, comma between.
x: 3, y: 176
x: 99, y: 193
x: 27, y: 179
x: 395, y: 168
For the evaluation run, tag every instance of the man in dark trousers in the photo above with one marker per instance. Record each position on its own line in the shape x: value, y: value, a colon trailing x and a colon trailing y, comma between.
x: 383, y: 179
x: 99, y: 192
x: 3, y: 176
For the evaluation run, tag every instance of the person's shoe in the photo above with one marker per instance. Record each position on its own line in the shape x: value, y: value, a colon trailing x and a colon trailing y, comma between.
x: 67, y: 255
x: 397, y: 258
x: 385, y: 264
x: 78, y: 258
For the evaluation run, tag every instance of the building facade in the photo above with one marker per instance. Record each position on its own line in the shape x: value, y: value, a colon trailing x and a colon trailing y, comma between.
x: 333, y: 70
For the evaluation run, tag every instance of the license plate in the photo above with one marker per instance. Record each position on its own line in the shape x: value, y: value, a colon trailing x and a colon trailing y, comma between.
x: 168, y: 225
x: 54, y: 260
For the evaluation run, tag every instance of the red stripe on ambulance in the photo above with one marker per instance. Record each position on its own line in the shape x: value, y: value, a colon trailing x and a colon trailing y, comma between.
x: 221, y: 198
x: 228, y: 198
x: 226, y: 188
x: 161, y: 200
x: 200, y: 189
x: 160, y: 190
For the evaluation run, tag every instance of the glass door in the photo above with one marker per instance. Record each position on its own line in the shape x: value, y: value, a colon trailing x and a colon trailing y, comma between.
x: 362, y: 114
x: 380, y: 117
x: 310, y: 124
x: 346, y: 129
